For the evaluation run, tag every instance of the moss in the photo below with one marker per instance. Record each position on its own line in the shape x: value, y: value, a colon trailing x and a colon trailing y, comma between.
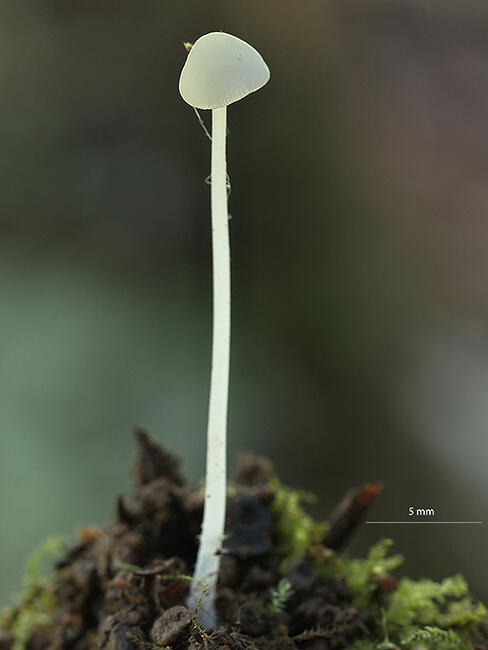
x: 365, y: 576
x: 408, y: 613
x: 441, y: 614
x: 35, y: 606
x: 354, y: 602
x: 279, y: 597
x: 296, y: 531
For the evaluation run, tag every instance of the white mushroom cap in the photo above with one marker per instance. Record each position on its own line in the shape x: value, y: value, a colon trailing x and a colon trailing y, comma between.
x: 221, y: 69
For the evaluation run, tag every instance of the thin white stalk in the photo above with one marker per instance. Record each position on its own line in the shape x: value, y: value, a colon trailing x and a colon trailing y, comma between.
x: 203, y: 588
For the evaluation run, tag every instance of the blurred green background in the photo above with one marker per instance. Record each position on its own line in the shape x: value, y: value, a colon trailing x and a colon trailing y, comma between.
x: 359, y: 255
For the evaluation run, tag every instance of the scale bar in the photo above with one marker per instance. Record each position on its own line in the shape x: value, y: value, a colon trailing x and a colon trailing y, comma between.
x: 423, y: 522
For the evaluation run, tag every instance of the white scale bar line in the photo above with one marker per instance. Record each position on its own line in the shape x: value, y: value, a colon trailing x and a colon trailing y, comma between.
x: 423, y: 522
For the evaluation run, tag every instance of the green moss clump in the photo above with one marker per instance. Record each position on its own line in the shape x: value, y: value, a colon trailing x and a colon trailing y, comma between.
x: 35, y: 606
x: 441, y: 614
x: 297, y: 532
x: 364, y: 576
x: 312, y: 591
x: 408, y: 613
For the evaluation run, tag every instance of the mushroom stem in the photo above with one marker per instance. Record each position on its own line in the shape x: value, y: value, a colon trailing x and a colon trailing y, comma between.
x: 203, y: 587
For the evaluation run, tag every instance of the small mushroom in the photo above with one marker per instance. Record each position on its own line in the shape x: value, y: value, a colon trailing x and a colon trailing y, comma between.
x: 220, y: 69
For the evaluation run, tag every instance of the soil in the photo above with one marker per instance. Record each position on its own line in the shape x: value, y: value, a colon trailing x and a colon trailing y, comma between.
x: 124, y: 587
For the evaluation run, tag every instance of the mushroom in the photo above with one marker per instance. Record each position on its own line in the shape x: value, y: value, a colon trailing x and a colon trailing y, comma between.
x: 220, y: 69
